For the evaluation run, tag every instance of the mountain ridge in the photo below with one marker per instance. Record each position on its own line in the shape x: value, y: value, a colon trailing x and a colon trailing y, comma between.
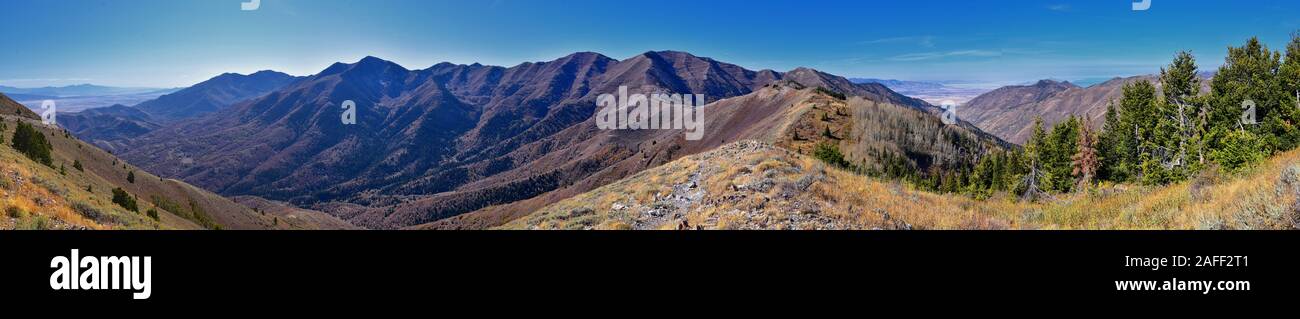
x: 436, y: 134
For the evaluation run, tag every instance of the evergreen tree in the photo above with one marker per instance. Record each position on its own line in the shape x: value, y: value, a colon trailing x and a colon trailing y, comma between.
x: 1062, y: 144
x: 1250, y: 72
x: 1289, y: 82
x: 1135, y: 141
x: 1031, y: 185
x: 1179, y: 128
x: 1085, y: 161
x: 130, y: 177
x: 32, y: 143
x: 1109, y: 146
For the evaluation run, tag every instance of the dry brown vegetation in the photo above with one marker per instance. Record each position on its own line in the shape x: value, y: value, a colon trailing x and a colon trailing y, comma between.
x: 751, y: 185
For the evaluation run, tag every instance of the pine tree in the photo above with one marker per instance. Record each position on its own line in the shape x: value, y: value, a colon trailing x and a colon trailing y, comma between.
x: 1179, y: 115
x: 32, y: 143
x: 1030, y: 186
x: 1135, y: 141
x: 1249, y: 72
x: 1289, y: 82
x: 1109, y: 146
x: 1085, y: 161
x: 1063, y: 143
x: 130, y: 177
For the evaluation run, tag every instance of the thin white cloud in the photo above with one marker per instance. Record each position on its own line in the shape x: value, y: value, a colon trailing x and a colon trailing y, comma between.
x: 940, y: 55
x: 1059, y: 7
x: 924, y: 41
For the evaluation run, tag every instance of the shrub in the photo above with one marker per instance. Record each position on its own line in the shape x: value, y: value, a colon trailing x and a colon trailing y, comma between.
x: 122, y: 198
x: 834, y: 94
x: 91, y: 212
x: 51, y: 186
x: 152, y: 213
x: 38, y: 222
x: 830, y: 153
x: 1240, y: 150
x: 130, y: 177
x: 77, y: 165
x: 15, y: 212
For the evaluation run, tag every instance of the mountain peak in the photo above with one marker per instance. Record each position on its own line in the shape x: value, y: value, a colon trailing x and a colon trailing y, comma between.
x: 374, y: 62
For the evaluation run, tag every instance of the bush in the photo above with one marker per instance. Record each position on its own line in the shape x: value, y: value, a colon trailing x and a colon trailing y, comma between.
x: 834, y: 94
x: 15, y: 212
x: 830, y: 153
x: 122, y: 198
x: 130, y: 177
x: 77, y: 165
x: 38, y: 222
x: 1241, y: 149
x: 152, y: 213
x: 90, y: 212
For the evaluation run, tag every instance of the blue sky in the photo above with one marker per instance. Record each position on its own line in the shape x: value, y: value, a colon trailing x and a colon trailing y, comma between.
x: 170, y: 43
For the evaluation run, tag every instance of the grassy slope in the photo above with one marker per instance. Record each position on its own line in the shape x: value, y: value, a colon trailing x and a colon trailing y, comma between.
x: 755, y: 186
x: 189, y: 208
x: 785, y: 114
x: 286, y: 216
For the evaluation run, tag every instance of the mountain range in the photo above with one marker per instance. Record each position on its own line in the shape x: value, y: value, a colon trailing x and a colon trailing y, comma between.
x: 498, y: 142
x: 932, y: 92
x: 1009, y: 112
x: 475, y: 146
x: 79, y: 90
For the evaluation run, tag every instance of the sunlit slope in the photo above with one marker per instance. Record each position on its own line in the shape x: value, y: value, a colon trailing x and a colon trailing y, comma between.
x: 752, y: 185
x: 37, y: 196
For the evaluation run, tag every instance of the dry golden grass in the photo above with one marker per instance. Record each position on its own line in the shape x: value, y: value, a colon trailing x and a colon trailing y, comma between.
x: 1263, y: 198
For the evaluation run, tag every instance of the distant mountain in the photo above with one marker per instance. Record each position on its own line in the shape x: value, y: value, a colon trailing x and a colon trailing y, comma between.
x: 1009, y: 112
x: 898, y: 85
x: 213, y: 95
x: 107, y: 126
x: 83, y: 90
x: 111, y: 127
x: 932, y: 92
x: 84, y: 96
x: 30, y: 97
x: 451, y: 139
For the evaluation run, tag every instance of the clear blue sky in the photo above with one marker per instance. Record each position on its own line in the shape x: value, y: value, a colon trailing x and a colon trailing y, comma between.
x: 168, y: 43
